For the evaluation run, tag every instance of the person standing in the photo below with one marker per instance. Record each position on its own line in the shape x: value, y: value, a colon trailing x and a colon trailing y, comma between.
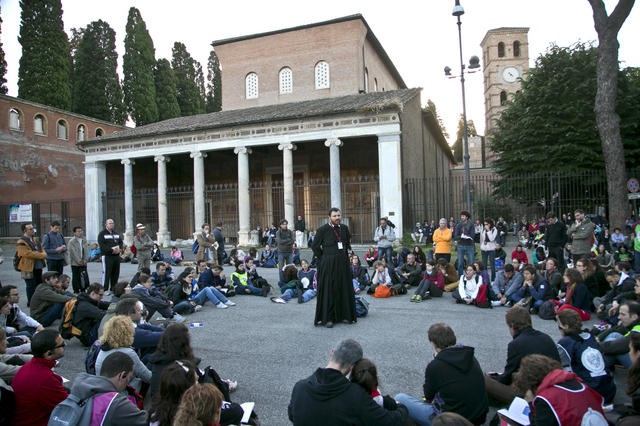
x: 300, y: 228
x: 636, y: 247
x: 464, y: 234
x: 217, y: 234
x: 581, y: 233
x: 336, y: 298
x: 284, y: 239
x: 111, y: 244
x: 79, y: 256
x: 32, y: 257
x: 207, y: 246
x: 442, y: 241
x: 488, y: 237
x: 53, y: 243
x: 384, y: 236
x: 143, y: 244
x: 556, y: 238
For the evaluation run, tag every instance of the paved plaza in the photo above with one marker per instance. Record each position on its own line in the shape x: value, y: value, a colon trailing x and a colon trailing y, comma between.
x: 267, y: 347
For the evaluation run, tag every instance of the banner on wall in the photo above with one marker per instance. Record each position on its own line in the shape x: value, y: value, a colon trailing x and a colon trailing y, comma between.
x: 20, y: 213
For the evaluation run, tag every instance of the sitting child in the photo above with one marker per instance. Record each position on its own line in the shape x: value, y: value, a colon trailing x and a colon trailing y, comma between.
x: 358, y: 274
x: 176, y: 256
x: 94, y: 253
x: 432, y: 284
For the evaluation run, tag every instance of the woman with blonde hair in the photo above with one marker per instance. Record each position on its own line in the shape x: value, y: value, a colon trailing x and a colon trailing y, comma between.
x: 118, y: 337
x: 200, y: 405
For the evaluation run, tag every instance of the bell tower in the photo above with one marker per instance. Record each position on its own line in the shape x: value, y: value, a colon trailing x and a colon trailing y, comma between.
x: 505, y: 54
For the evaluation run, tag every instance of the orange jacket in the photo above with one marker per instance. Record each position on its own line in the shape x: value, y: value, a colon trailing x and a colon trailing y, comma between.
x: 442, y: 240
x: 28, y: 256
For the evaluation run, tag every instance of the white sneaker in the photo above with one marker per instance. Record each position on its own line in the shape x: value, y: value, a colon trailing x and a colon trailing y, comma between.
x: 177, y: 318
x: 221, y: 306
x: 229, y: 303
x: 197, y: 308
x: 496, y: 303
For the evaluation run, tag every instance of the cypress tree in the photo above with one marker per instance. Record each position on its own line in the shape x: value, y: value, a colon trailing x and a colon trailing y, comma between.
x: 185, y: 69
x: 214, y: 83
x: 45, y: 66
x: 3, y: 68
x: 96, y: 91
x: 137, y: 66
x: 202, y: 95
x: 166, y: 92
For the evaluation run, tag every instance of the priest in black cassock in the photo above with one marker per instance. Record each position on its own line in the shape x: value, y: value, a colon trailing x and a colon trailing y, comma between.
x: 336, y: 299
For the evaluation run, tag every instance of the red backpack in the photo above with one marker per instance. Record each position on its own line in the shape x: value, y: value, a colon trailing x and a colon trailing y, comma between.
x: 482, y: 298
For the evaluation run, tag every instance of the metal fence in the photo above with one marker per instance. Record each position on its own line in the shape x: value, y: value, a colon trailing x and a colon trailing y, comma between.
x: 69, y: 213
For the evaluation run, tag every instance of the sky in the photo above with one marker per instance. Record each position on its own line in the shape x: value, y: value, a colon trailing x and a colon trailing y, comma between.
x: 420, y: 37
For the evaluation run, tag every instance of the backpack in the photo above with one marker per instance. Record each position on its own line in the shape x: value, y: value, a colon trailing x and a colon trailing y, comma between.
x: 16, y: 261
x: 382, y: 291
x: 91, y: 357
x: 482, y: 298
x: 72, y: 411
x: 195, y: 247
x: 362, y: 306
x: 547, y: 311
x: 67, y: 329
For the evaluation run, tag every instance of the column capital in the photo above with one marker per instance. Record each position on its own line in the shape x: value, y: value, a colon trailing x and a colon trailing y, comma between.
x: 242, y: 150
x: 159, y: 158
x: 127, y: 162
x: 198, y: 154
x: 287, y: 145
x: 333, y: 141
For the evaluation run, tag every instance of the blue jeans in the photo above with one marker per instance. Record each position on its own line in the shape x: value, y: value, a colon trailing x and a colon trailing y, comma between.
x: 183, y: 307
x: 622, y: 359
x: 490, y: 255
x: 419, y: 411
x: 254, y: 290
x: 291, y: 293
x: 210, y: 293
x: 54, y: 313
x: 470, y: 253
x: 284, y: 259
x: 387, y: 251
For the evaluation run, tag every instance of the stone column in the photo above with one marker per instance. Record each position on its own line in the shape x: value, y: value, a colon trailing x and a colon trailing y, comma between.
x: 244, y: 202
x: 287, y: 174
x: 163, y: 235
x: 334, y: 169
x: 390, y: 176
x: 198, y: 189
x: 128, y: 200
x: 95, y: 185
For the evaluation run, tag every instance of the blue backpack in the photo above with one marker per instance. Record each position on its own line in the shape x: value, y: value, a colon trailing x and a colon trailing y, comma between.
x: 362, y: 306
x: 195, y: 247
x: 92, y: 356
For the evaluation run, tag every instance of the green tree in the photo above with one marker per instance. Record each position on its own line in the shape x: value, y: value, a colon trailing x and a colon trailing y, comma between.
x: 166, y: 92
x: 431, y: 106
x: 96, y: 91
x: 550, y: 126
x: 458, y: 146
x: 3, y: 68
x: 188, y: 81
x: 202, y: 98
x: 45, y: 66
x: 214, y: 83
x: 137, y: 66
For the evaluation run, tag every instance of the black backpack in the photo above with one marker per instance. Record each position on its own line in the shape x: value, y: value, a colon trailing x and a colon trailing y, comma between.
x: 547, y: 311
x: 92, y: 356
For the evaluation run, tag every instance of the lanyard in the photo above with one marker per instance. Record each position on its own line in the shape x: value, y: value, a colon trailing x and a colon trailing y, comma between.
x: 337, y: 235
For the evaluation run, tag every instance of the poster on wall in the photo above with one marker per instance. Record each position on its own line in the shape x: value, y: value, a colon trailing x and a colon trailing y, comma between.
x: 20, y: 213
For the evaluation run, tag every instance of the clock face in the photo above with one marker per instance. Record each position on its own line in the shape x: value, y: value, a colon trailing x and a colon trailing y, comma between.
x: 510, y: 74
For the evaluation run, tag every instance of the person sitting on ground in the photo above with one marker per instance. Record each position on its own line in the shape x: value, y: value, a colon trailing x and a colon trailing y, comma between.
x: 453, y: 382
x: 63, y: 284
x: 481, y: 270
x: 156, y: 254
x: 552, y: 274
x: 432, y: 284
x: 153, y: 300
x: 243, y: 284
x: 181, y: 291
x: 214, y: 277
x: 134, y: 279
x: 523, y: 236
x: 37, y: 389
x: 358, y: 274
x: 410, y: 272
x: 17, y: 343
x: 121, y: 291
x: 267, y: 258
x: 328, y: 397
x: 517, y: 264
x: 212, y: 294
x: 593, y: 277
x: 175, y: 257
x: 118, y: 337
x: 291, y: 286
x: 420, y: 257
x: 175, y: 379
x: 623, y: 255
x: 506, y: 285
x: 254, y: 276
x: 449, y: 273
x: 308, y: 282
x: 371, y: 256
x: 470, y: 283
x: 200, y: 405
x: 381, y: 276
x: 622, y: 288
x: 146, y: 336
x: 9, y: 363
x: 90, y: 309
x: 47, y: 302
x: 17, y: 321
x: 557, y: 396
x: 629, y: 414
x: 500, y: 253
x: 126, y: 255
x: 580, y: 353
x: 534, y: 287
x: 617, y: 238
x: 604, y: 258
x: 574, y: 295
x: 520, y: 254
x: 110, y: 406
x: 161, y: 278
x: 614, y: 342
x: 365, y: 374
x: 526, y: 341
x: 94, y: 253
x: 539, y: 255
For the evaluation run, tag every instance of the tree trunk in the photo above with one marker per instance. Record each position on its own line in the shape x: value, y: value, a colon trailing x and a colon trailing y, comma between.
x: 607, y: 119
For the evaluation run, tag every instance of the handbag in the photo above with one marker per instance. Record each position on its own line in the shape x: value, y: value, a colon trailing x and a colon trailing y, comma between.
x: 382, y: 292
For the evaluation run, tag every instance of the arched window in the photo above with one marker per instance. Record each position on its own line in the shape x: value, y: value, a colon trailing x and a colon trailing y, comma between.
x: 286, y: 80
x: 99, y: 132
x: 501, y: 50
x: 322, y: 75
x: 62, y: 130
x: 503, y: 97
x: 39, y: 125
x: 15, y: 119
x: 375, y: 84
x: 81, y: 133
x: 366, y: 80
x: 516, y: 48
x: 251, y: 85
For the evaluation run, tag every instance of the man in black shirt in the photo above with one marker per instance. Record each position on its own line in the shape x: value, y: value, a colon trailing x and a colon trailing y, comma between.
x: 556, y: 238
x: 111, y: 244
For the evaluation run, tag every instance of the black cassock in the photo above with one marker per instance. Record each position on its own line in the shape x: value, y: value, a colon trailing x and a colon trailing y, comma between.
x: 336, y: 298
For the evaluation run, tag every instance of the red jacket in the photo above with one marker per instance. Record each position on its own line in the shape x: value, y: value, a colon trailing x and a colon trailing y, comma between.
x: 520, y: 255
x: 436, y: 277
x: 37, y: 391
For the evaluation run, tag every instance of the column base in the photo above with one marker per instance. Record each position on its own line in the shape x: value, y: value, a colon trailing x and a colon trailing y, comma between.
x: 244, y: 238
x: 164, y: 238
x: 128, y: 237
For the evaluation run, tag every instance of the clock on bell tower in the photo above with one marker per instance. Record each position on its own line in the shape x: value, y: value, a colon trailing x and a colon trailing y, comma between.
x: 505, y: 54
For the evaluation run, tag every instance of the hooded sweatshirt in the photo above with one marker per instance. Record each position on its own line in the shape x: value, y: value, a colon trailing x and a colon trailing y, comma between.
x: 328, y: 398
x: 109, y: 406
x: 454, y: 382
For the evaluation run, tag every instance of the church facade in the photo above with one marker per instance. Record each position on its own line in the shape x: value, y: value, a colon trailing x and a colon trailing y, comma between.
x: 313, y: 117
